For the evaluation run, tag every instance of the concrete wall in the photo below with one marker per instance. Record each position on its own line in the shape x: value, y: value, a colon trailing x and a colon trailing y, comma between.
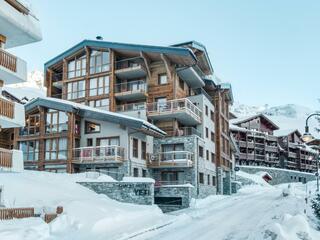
x: 280, y: 175
x: 129, y: 192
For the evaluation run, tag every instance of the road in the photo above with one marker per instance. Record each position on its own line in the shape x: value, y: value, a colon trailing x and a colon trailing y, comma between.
x: 249, y: 215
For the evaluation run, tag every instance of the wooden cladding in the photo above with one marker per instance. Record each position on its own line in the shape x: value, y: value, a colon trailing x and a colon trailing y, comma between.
x: 6, y: 108
x: 5, y: 158
x: 8, y: 61
x: 11, y: 213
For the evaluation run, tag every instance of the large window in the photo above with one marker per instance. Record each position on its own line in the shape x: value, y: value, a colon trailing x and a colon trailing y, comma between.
x: 99, y: 62
x: 57, y: 121
x: 30, y: 150
x: 56, y: 149
x: 110, y: 141
x: 101, y: 104
x: 143, y: 150
x: 135, y: 148
x: 77, y: 67
x: 99, y: 86
x: 76, y: 90
x: 162, y: 79
x: 32, y: 125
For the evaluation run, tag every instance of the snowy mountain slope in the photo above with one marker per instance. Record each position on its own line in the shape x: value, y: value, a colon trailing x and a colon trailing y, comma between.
x: 289, y: 116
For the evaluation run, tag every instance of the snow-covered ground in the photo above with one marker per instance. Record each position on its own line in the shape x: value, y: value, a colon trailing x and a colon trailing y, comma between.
x: 257, y: 212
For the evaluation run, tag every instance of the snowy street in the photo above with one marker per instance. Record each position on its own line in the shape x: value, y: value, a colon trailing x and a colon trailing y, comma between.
x: 256, y: 213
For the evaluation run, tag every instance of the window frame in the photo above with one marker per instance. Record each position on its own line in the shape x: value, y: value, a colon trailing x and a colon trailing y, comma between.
x: 86, y: 129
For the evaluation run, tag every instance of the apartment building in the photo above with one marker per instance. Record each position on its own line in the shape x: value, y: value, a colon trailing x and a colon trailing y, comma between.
x: 18, y: 27
x: 168, y: 88
x: 262, y: 143
x: 294, y: 153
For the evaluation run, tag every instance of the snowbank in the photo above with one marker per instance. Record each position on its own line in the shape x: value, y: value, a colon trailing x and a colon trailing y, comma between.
x: 87, y: 215
x: 253, y: 178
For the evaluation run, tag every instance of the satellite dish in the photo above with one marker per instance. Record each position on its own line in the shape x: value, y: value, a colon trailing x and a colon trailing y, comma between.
x: 99, y: 38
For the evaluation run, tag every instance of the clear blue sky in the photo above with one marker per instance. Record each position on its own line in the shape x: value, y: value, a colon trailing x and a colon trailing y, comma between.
x: 268, y: 50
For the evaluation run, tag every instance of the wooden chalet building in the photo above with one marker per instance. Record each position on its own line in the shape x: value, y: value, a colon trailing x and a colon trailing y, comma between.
x: 256, y: 142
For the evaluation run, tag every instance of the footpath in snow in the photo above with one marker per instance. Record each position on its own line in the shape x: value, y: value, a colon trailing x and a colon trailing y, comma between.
x: 257, y: 212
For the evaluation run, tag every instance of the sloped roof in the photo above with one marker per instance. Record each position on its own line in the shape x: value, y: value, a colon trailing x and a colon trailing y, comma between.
x: 286, y: 132
x: 94, y: 113
x: 240, y: 120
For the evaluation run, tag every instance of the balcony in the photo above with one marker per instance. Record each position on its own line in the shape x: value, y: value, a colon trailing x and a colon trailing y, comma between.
x: 98, y: 155
x: 271, y: 138
x: 191, y: 77
x: 171, y: 159
x: 11, y: 114
x: 181, y: 132
x: 242, y: 144
x: 18, y: 23
x: 131, y: 107
x: 11, y: 160
x: 130, y: 68
x: 131, y: 91
x: 12, y: 69
x: 181, y: 109
x: 271, y: 148
x: 292, y: 155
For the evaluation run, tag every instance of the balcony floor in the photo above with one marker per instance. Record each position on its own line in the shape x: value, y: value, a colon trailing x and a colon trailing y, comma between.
x: 131, y: 95
x: 131, y: 73
x: 182, y: 116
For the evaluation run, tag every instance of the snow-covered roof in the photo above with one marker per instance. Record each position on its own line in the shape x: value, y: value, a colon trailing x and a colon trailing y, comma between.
x: 99, y: 114
x: 236, y: 128
x: 243, y: 119
x: 24, y: 92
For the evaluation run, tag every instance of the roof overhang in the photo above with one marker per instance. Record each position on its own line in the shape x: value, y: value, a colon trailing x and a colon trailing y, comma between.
x: 191, y: 77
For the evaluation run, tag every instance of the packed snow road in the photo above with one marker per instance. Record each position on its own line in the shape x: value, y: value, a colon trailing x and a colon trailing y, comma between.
x: 255, y: 213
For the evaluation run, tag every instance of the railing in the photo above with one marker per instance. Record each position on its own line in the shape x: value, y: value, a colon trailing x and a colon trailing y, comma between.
x: 133, y: 86
x: 131, y: 107
x: 6, y: 108
x: 271, y: 138
x: 8, y: 61
x: 181, y: 132
x: 11, y: 213
x: 170, y: 183
x: 176, y: 158
x: 129, y: 63
x: 98, y: 154
x: 172, y: 106
x: 242, y: 143
x: 5, y: 158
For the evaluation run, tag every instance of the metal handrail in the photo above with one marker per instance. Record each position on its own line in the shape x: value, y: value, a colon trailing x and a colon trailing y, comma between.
x: 99, y: 153
x: 131, y: 107
x: 129, y: 62
x: 131, y: 86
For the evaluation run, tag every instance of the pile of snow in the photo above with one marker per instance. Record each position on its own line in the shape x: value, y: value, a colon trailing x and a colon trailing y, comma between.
x: 254, y: 179
x: 87, y: 215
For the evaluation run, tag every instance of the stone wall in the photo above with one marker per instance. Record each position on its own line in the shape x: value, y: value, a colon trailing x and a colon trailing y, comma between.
x: 129, y: 192
x: 280, y: 175
x: 184, y: 192
x: 206, y: 190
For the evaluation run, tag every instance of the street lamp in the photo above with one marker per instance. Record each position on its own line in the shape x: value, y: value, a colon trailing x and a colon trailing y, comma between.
x: 307, y: 137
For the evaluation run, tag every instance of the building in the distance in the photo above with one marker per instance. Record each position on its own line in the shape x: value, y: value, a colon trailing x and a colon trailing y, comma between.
x: 18, y: 27
x: 167, y: 88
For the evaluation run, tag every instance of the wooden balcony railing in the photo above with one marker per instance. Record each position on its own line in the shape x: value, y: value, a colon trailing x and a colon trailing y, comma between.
x: 11, y: 213
x: 6, y: 108
x: 8, y: 61
x: 5, y: 158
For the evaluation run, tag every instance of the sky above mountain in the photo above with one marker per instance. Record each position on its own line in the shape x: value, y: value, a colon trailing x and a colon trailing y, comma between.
x: 268, y: 50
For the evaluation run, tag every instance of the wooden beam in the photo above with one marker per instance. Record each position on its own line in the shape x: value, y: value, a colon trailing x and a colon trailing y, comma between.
x: 146, y: 63
x: 167, y: 65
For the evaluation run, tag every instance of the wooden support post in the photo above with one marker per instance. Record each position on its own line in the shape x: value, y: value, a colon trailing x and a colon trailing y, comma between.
x: 112, y: 82
x: 42, y: 132
x: 71, y: 141
x: 146, y: 63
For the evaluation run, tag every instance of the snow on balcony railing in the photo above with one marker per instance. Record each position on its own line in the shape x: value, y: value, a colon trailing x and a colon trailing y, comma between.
x: 8, y: 61
x: 98, y: 154
x: 172, y: 106
x: 181, y: 132
x: 174, y: 158
x: 133, y: 86
x: 5, y: 158
x: 6, y: 108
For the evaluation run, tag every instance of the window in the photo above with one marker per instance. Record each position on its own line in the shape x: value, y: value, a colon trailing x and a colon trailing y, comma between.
x: 212, y: 136
x: 76, y: 90
x: 162, y: 79
x: 110, y: 141
x: 89, y: 142
x: 212, y: 157
x: 207, y: 155
x: 207, y: 110
x: 56, y: 149
x: 144, y: 173
x: 30, y: 150
x: 77, y: 67
x: 212, y: 116
x: 135, y: 147
x: 135, y: 172
x: 207, y: 132
x: 56, y: 121
x: 99, y: 86
x: 99, y: 62
x: 143, y: 150
x: 101, y: 104
x: 172, y: 176
x: 181, y: 83
x: 213, y: 180
x: 208, y: 179
x: 201, y: 178
x: 200, y: 151
x: 92, y: 127
x: 32, y: 125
